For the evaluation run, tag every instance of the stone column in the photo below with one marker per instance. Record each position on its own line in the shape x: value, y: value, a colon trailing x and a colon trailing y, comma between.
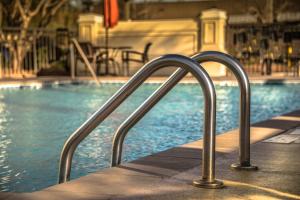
x: 90, y: 26
x: 213, y: 28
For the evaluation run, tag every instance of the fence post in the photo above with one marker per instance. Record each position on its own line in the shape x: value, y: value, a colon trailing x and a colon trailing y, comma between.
x: 1, y: 66
x: 35, y: 64
x: 72, y: 61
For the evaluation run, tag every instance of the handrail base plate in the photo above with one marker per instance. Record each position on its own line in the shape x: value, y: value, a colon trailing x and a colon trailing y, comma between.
x: 238, y: 166
x: 202, y: 183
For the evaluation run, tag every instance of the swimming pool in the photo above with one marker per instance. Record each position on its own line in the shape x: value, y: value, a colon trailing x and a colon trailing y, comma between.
x: 35, y: 122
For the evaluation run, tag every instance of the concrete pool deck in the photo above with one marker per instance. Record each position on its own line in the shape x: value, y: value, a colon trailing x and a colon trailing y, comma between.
x: 168, y: 174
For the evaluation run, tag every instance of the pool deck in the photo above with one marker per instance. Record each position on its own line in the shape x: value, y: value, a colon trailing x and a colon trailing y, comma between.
x: 168, y: 174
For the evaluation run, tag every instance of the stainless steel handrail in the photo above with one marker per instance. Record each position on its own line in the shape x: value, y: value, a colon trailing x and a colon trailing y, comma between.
x: 245, y: 103
x: 244, y: 132
x: 208, y: 166
x: 84, y: 58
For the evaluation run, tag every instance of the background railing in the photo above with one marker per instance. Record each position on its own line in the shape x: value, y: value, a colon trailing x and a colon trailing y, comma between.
x: 266, y: 49
x: 39, y: 49
x: 262, y: 49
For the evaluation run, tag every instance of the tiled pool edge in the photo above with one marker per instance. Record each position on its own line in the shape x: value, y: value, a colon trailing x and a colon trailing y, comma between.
x: 227, y: 143
x: 52, y: 81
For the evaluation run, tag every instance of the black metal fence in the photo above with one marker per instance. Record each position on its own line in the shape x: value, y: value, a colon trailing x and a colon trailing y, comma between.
x: 262, y: 49
x: 27, y: 56
x: 266, y: 49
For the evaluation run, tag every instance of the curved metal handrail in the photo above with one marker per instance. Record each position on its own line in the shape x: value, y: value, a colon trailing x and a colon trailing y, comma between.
x: 208, y: 166
x: 244, y: 85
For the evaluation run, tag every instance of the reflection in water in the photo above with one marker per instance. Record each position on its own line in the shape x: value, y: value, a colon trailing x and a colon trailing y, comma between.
x: 5, y: 170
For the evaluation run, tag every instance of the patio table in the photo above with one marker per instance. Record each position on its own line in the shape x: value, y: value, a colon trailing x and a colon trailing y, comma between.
x: 114, y: 53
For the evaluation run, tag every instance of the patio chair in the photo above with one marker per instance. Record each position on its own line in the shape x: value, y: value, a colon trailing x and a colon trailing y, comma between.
x: 135, y: 56
x: 111, y: 62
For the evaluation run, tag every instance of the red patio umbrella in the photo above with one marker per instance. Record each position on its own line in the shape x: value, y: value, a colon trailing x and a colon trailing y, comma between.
x: 111, y: 18
x: 111, y: 13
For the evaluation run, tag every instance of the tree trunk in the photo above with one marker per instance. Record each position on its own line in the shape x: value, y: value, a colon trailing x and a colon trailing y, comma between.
x: 21, y: 12
x: 269, y: 16
x: 21, y: 47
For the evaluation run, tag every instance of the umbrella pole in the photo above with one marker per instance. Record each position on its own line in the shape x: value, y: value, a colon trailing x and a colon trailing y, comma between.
x: 106, y: 51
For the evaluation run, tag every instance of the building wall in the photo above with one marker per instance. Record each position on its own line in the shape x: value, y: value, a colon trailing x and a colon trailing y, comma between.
x: 175, y: 10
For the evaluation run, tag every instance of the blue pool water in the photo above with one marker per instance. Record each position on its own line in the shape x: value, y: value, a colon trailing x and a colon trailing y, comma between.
x: 34, y: 123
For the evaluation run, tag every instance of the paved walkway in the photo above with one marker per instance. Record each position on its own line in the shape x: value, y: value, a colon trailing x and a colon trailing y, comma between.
x: 168, y: 175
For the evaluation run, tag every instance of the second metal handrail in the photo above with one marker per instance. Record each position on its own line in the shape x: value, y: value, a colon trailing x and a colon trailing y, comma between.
x: 84, y: 58
x: 208, y: 165
x: 244, y: 132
